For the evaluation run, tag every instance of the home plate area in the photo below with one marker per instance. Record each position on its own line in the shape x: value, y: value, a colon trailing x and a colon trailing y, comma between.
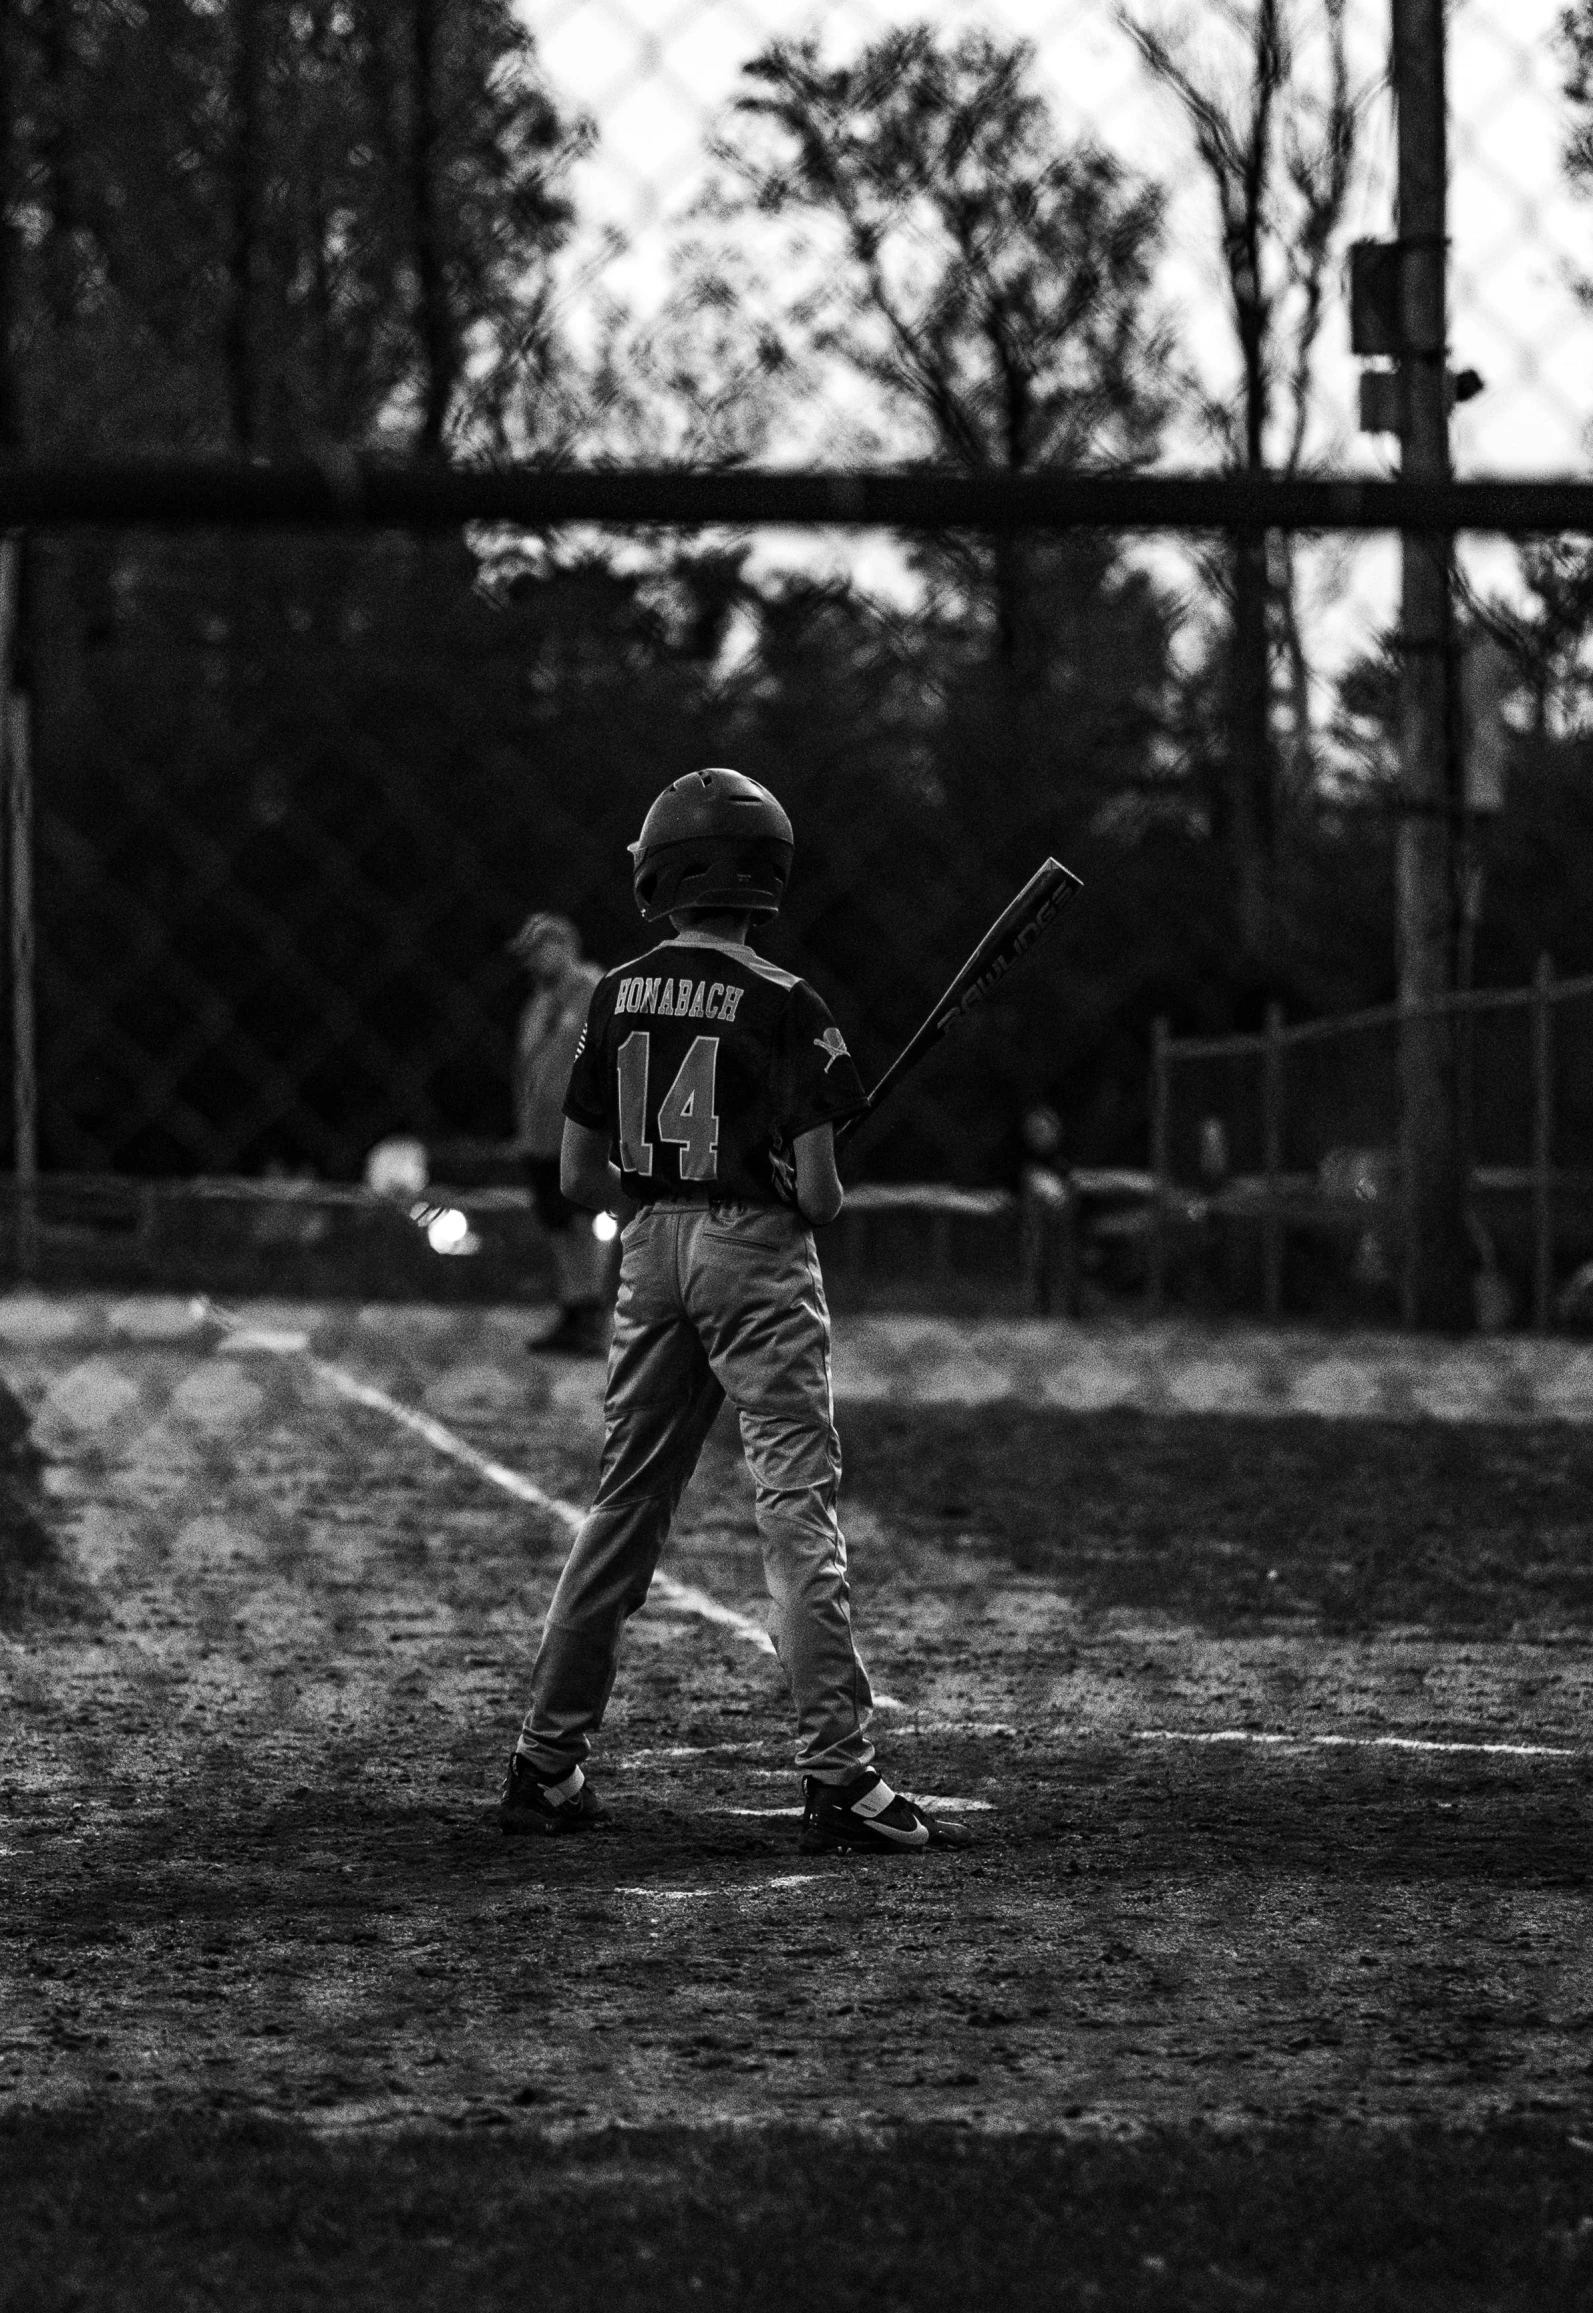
x: 1265, y: 1977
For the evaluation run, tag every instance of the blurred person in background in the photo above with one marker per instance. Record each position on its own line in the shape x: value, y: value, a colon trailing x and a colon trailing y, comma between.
x: 1046, y: 1215
x: 549, y: 948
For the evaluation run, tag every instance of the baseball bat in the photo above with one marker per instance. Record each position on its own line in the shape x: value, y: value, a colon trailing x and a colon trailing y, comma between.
x: 1012, y: 935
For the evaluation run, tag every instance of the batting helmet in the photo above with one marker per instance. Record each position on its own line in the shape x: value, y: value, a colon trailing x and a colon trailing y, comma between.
x: 715, y: 839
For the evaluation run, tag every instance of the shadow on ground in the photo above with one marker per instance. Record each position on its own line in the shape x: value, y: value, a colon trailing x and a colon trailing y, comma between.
x: 1479, y: 1527
x: 111, y: 2208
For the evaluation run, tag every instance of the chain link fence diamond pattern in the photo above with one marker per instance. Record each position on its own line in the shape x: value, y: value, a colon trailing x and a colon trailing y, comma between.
x: 292, y: 796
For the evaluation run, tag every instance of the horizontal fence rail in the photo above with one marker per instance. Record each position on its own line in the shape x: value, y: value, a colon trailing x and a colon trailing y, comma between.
x: 1259, y: 1107
x: 371, y: 554
x: 448, y: 1241
x: 1459, y: 1001
x: 349, y: 491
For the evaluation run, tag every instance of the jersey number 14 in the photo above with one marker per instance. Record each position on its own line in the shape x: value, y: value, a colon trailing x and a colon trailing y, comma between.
x: 686, y: 1114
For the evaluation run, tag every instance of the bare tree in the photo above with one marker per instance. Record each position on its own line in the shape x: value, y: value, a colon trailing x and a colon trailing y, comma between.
x: 992, y: 285
x: 248, y: 161
x: 58, y: 151
x: 11, y: 170
x: 1547, y: 635
x: 434, y: 321
x: 1279, y: 154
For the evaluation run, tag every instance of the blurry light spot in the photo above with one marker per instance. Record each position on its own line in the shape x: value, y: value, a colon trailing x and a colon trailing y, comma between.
x: 604, y: 1227
x: 397, y: 1167
x: 450, y: 1232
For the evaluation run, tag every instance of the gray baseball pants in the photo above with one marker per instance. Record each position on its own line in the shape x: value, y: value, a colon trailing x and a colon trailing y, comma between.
x: 715, y: 1301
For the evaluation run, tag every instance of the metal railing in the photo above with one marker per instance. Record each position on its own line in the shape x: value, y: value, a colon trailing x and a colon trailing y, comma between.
x: 1276, y: 1196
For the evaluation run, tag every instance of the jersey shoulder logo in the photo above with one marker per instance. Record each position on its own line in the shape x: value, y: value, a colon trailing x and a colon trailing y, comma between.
x: 834, y: 1043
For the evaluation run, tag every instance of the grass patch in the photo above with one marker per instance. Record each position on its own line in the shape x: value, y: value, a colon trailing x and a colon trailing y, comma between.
x: 106, y: 2209
x: 1223, y: 1519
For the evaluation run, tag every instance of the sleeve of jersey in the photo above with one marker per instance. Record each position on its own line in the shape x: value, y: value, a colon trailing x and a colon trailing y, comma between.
x: 816, y: 1079
x: 586, y: 1100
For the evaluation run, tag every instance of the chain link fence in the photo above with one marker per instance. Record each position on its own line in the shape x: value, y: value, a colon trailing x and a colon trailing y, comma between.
x: 289, y: 793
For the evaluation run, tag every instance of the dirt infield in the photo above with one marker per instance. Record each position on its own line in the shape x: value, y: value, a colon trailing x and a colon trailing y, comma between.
x: 1276, y: 1738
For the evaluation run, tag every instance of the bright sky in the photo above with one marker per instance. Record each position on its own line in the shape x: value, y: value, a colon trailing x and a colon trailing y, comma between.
x: 653, y: 75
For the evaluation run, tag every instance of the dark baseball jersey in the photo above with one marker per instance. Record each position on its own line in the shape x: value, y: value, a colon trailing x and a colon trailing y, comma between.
x: 703, y: 1062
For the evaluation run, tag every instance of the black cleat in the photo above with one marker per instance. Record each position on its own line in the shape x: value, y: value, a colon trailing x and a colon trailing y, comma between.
x: 867, y: 1814
x: 526, y: 1803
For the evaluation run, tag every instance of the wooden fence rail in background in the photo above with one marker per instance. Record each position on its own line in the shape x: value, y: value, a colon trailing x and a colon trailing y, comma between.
x: 1271, y: 1046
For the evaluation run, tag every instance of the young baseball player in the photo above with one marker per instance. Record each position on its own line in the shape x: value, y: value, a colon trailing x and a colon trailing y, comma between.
x: 703, y: 1100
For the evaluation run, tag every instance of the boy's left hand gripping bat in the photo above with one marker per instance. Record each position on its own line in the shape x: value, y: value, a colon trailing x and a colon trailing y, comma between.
x: 1012, y: 935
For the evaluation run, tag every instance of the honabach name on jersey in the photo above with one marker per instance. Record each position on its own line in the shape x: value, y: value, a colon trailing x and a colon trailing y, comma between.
x: 672, y: 999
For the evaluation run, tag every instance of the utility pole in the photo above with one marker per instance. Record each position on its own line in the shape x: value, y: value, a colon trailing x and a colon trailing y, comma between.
x: 16, y: 839
x: 16, y: 791
x: 1435, y: 1284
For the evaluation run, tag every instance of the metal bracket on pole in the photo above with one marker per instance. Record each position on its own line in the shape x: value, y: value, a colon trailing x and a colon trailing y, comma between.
x: 1380, y: 308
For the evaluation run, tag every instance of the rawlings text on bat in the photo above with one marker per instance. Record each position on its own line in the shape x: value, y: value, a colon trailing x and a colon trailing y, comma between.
x: 1012, y: 935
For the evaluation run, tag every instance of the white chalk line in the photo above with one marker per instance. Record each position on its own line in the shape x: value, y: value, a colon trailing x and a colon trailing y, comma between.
x: 682, y: 1595
x: 678, y: 1751
x: 1352, y: 1742
x: 1002, y: 1729
x: 696, y: 1894
x: 947, y: 1806
x: 666, y: 1894
x: 691, y: 1600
